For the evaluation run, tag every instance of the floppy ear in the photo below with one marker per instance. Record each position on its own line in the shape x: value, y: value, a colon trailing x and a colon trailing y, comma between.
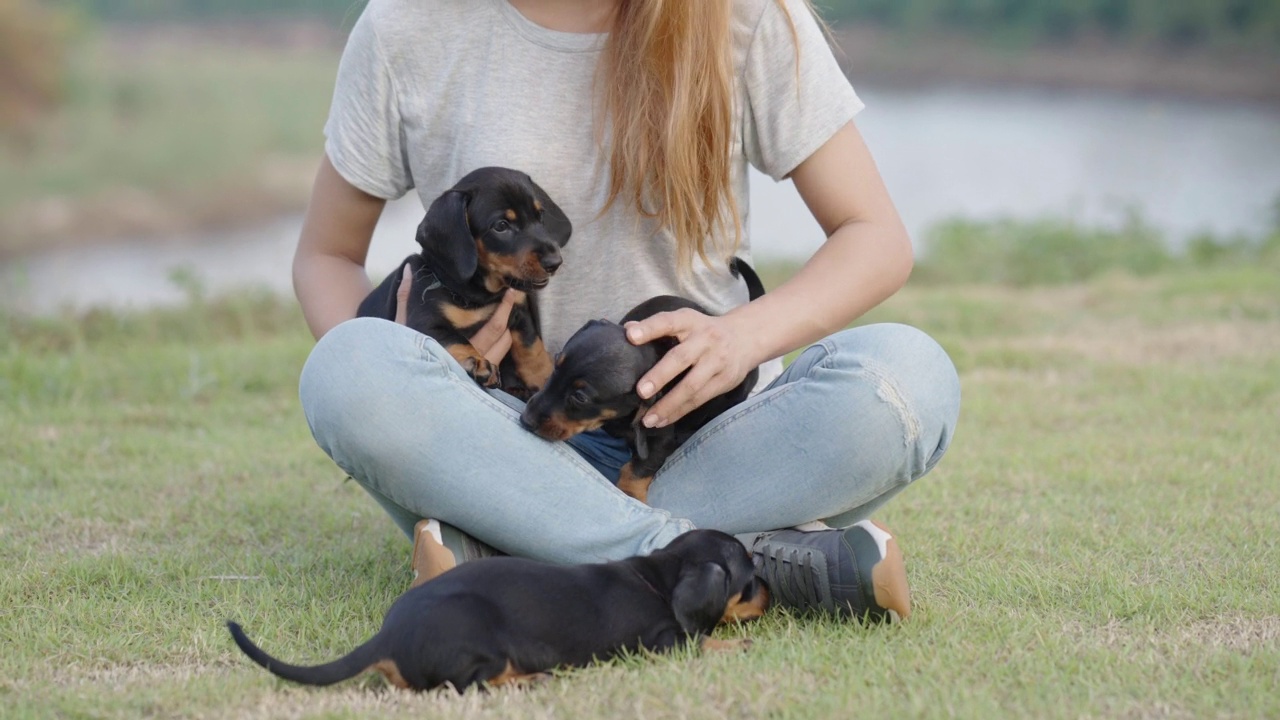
x: 641, y: 437
x: 445, y: 237
x: 700, y: 597
x: 641, y: 432
x: 553, y: 218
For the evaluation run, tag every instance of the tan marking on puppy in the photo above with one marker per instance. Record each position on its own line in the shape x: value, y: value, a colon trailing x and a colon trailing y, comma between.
x: 533, y: 362
x: 391, y: 672
x: 510, y: 215
x: 738, y: 611
x: 537, y: 205
x: 511, y: 676
x: 636, y: 487
x: 461, y: 317
x: 497, y: 267
x: 559, y: 427
x: 474, y: 363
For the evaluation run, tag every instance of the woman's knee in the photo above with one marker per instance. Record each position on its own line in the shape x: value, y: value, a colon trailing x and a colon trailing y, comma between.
x: 912, y: 374
x: 356, y: 369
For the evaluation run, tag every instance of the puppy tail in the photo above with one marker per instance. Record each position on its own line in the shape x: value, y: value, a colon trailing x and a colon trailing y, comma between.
x: 348, y: 666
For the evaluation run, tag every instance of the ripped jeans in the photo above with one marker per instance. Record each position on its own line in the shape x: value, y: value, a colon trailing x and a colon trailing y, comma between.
x: 852, y: 421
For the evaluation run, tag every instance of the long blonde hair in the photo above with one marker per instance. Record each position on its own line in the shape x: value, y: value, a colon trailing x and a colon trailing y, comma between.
x: 665, y: 84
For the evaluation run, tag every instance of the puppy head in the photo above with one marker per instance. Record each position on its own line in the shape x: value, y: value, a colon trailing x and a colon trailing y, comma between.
x: 497, y: 223
x: 593, y: 381
x: 717, y: 581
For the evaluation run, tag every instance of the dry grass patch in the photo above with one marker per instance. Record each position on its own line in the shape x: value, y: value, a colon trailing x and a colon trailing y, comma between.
x: 1238, y: 635
x: 1132, y: 343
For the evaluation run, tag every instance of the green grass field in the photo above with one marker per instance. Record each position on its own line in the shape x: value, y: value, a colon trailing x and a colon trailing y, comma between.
x: 1101, y: 540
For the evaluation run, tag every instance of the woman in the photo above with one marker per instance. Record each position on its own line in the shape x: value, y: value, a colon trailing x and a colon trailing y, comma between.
x: 639, y: 118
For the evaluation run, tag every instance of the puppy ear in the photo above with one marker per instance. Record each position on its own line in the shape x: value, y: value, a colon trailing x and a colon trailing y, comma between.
x: 553, y: 218
x: 700, y: 597
x: 445, y: 237
x: 642, y: 439
x: 640, y: 432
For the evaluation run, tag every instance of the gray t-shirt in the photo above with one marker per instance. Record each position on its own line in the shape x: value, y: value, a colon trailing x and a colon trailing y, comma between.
x: 429, y: 90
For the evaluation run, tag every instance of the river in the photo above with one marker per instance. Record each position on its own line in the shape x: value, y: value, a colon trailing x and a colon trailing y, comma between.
x: 980, y: 153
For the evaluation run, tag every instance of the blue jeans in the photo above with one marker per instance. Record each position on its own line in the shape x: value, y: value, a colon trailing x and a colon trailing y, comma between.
x: 851, y: 422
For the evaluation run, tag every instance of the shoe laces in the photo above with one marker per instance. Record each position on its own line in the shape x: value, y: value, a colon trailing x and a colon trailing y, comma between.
x: 791, y: 576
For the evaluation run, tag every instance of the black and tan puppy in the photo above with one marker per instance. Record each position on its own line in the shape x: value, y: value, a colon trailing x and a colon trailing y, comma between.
x: 505, y: 619
x: 495, y: 229
x: 593, y: 386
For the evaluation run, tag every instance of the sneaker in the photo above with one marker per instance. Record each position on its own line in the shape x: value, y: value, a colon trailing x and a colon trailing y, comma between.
x: 855, y: 572
x: 438, y: 547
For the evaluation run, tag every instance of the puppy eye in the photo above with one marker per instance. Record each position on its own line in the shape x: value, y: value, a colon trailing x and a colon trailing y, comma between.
x: 579, y: 398
x: 501, y: 226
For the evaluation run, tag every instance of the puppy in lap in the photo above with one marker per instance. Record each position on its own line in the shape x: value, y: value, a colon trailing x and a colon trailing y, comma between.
x: 495, y: 230
x: 594, y: 381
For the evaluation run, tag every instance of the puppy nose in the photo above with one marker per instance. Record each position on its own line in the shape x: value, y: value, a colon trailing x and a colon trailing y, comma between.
x: 550, y: 262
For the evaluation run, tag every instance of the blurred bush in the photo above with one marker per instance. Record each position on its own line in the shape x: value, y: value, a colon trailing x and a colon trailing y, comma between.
x: 34, y: 42
x: 1055, y: 251
x: 1176, y: 23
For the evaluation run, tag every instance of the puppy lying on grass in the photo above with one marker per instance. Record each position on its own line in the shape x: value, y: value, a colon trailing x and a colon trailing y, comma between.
x: 510, y: 620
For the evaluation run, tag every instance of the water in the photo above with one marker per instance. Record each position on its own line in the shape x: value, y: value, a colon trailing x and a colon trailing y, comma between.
x: 1187, y: 167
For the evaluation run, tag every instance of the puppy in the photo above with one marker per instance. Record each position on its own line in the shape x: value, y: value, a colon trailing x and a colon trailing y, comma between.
x: 496, y: 229
x: 504, y: 619
x: 593, y: 386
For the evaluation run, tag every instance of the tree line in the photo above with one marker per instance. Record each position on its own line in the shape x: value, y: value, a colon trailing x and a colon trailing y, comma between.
x: 1176, y: 23
x: 1251, y: 23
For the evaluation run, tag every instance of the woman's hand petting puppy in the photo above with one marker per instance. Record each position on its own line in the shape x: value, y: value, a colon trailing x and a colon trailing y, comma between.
x: 493, y: 340
x: 715, y: 350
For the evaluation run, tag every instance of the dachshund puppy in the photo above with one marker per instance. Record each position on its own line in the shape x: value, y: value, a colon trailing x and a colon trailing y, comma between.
x: 594, y: 381
x: 504, y: 619
x: 494, y: 230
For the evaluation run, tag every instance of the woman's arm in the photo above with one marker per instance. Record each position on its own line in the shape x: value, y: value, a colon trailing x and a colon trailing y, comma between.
x: 328, y: 266
x: 867, y: 257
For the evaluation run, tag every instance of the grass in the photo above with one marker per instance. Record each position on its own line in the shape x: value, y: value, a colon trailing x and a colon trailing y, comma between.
x: 1058, y: 250
x: 1100, y: 541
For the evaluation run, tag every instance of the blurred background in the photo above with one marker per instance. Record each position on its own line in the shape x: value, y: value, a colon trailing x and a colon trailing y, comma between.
x: 149, y: 147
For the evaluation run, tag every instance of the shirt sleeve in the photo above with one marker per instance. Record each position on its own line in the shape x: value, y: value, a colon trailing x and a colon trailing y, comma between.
x: 792, y: 112
x: 363, y: 135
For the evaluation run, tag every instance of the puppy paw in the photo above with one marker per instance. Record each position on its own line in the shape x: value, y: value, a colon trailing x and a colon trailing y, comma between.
x: 484, y: 372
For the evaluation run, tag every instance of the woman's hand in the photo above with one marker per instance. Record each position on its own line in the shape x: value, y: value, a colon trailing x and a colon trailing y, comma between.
x: 717, y: 352
x: 493, y: 340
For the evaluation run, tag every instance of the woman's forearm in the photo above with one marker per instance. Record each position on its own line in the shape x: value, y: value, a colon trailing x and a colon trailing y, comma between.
x: 329, y: 289
x: 858, y: 267
x: 867, y: 256
x: 328, y: 268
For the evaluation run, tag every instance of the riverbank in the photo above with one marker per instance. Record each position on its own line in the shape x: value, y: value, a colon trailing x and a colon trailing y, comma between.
x: 176, y: 130
x: 884, y: 58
